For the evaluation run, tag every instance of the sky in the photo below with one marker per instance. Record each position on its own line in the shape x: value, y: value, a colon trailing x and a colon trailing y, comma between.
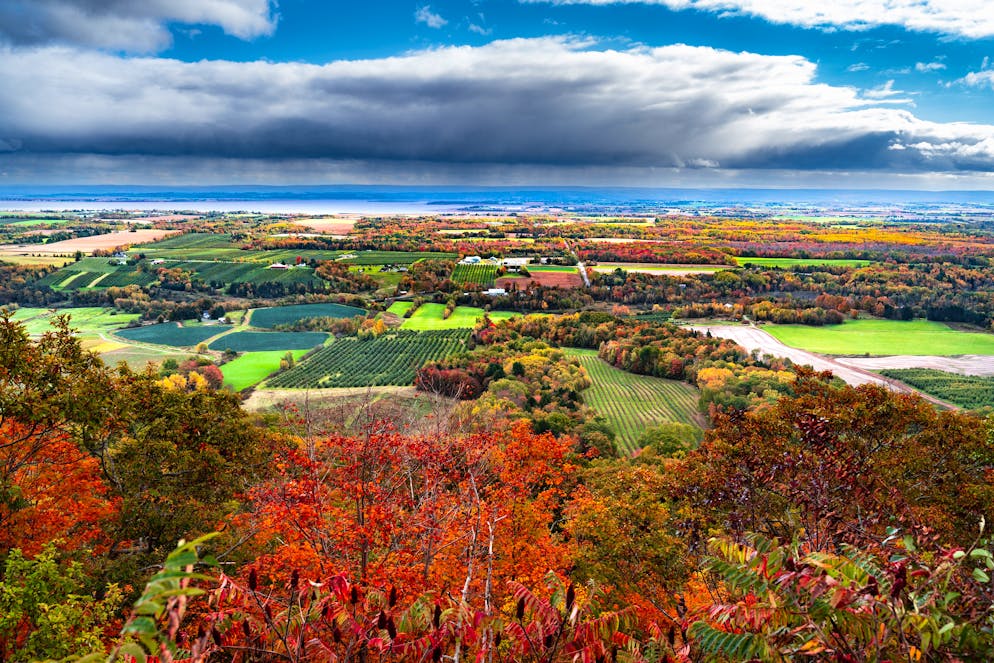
x: 712, y: 93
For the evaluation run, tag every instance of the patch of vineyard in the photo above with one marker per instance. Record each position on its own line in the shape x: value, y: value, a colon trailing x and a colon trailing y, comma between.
x: 389, y: 359
x: 631, y: 403
x: 482, y: 274
x: 968, y: 391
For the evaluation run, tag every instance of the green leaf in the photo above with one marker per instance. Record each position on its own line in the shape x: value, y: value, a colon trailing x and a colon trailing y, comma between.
x: 133, y: 650
x: 981, y: 576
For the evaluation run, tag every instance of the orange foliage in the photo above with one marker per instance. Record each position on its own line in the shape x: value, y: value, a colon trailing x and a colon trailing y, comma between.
x: 56, y: 492
x: 415, y: 513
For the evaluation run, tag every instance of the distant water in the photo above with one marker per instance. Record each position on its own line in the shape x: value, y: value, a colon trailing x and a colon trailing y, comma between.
x: 437, y: 200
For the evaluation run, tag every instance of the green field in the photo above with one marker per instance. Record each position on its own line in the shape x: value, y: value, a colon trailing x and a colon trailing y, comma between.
x: 884, y: 337
x: 967, y: 391
x: 247, y: 341
x: 389, y: 359
x: 268, y: 318
x: 429, y: 317
x: 88, y: 321
x: 254, y: 367
x: 801, y: 262
x: 400, y: 308
x: 480, y: 273
x: 551, y: 268
x: 171, y: 334
x: 631, y: 403
x: 394, y: 257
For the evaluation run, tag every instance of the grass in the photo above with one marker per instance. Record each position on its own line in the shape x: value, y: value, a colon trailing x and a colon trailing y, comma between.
x: 394, y: 257
x: 400, y: 308
x: 253, y: 367
x: 247, y: 341
x: 428, y: 317
x: 884, y: 337
x: 18, y: 258
x: 631, y: 403
x: 89, y: 322
x: 967, y: 391
x: 801, y: 262
x: 267, y: 318
x: 171, y: 334
x: 551, y: 268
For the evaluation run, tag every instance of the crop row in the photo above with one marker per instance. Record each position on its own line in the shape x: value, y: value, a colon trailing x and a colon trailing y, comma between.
x: 968, y: 391
x: 631, y: 403
x: 390, y: 359
x: 483, y: 274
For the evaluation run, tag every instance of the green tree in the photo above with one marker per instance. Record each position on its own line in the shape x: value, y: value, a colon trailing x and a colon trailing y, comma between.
x: 46, y: 611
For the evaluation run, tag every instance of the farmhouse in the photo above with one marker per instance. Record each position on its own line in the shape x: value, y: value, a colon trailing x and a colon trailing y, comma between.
x: 471, y: 260
x: 515, y: 262
x: 495, y: 292
x: 278, y: 265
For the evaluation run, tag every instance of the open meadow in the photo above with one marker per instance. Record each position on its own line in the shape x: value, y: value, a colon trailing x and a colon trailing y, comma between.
x: 884, y: 337
x: 429, y: 317
x: 254, y: 367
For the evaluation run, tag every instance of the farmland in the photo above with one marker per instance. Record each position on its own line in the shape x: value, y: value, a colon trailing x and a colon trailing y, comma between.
x: 389, y: 359
x: 631, y: 403
x: 659, y: 269
x: 884, y: 337
x: 480, y: 274
x: 269, y: 318
x: 553, y: 276
x: 429, y: 317
x: 967, y: 391
x: 800, y: 262
x: 249, y: 341
x: 89, y: 322
x: 395, y: 257
x: 172, y: 334
x: 253, y: 367
x: 105, y: 241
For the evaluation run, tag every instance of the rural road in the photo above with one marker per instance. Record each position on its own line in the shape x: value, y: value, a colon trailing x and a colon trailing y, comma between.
x: 579, y: 263
x: 753, y: 338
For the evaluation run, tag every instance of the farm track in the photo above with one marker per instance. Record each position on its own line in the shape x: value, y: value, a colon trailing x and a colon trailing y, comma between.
x: 752, y: 338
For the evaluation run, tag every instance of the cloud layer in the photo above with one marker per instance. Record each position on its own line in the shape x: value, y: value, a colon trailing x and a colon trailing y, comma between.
x: 965, y: 18
x: 531, y: 102
x: 138, y: 26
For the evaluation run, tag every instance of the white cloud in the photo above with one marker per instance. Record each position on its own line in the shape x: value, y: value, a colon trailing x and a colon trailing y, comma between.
x: 428, y: 17
x: 965, y: 18
x: 139, y: 26
x: 928, y: 67
x: 549, y: 102
x: 983, y: 78
x: 857, y: 67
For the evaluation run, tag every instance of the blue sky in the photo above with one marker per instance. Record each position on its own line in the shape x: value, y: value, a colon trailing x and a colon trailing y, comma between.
x: 652, y: 92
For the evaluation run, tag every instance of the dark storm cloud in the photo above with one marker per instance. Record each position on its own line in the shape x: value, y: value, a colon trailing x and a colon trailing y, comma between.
x: 535, y: 102
x: 128, y: 25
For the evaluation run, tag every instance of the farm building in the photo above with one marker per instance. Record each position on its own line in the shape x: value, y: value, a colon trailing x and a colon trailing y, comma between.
x: 471, y: 260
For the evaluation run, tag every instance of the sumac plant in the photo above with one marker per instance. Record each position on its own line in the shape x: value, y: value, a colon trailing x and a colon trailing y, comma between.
x: 335, y: 620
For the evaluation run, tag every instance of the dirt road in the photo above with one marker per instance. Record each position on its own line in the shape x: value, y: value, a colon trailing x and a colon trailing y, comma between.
x: 753, y: 338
